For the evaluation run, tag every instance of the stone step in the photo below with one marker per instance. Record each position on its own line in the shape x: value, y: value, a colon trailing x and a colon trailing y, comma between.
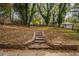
x: 53, y: 47
x: 38, y: 34
x: 39, y: 41
x: 64, y: 47
x: 38, y: 45
x: 39, y: 38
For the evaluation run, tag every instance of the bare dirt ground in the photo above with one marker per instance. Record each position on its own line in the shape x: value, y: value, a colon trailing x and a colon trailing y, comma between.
x: 15, y: 35
x: 40, y: 52
x: 62, y: 36
x: 20, y: 35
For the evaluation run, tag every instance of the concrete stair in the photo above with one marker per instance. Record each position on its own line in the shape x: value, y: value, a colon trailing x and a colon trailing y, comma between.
x: 39, y: 41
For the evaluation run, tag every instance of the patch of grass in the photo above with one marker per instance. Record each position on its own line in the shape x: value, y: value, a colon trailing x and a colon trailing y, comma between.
x: 66, y: 33
x: 40, y: 28
x: 71, y: 34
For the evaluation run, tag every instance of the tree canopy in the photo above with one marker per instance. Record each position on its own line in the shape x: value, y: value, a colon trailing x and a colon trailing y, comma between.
x: 50, y: 13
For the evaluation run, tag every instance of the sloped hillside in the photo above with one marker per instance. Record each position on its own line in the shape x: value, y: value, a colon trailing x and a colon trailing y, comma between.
x: 15, y: 35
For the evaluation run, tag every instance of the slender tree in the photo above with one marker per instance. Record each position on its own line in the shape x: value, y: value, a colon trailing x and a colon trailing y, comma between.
x: 61, y: 13
x: 26, y: 12
x: 5, y: 9
x: 22, y: 9
x: 45, y: 11
x: 32, y: 11
x: 75, y: 10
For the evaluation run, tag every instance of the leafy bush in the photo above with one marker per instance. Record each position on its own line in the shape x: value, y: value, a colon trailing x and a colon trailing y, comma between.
x: 36, y: 20
x: 76, y: 27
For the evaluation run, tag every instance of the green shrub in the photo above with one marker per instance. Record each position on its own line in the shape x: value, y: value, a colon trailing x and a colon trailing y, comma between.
x: 76, y: 27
